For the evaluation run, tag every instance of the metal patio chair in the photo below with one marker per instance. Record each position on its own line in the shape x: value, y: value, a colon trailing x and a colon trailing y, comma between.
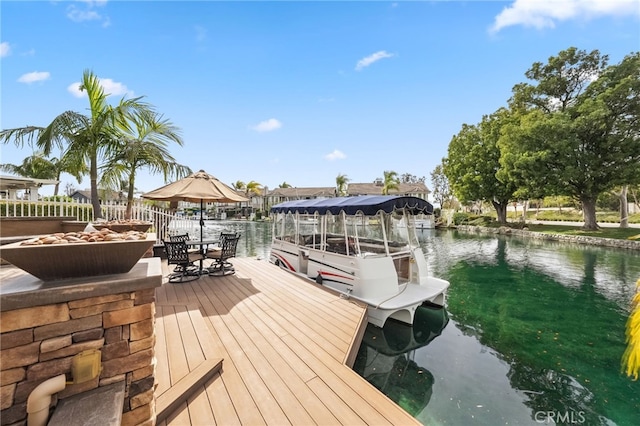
x: 183, y: 237
x: 178, y: 254
x: 221, y: 255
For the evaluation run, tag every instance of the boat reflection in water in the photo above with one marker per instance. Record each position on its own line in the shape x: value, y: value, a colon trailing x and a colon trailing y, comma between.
x: 386, y: 358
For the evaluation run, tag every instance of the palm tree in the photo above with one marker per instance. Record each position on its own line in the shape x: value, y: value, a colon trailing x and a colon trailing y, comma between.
x: 239, y: 186
x: 341, y: 184
x: 89, y: 137
x: 35, y: 166
x: 144, y: 144
x: 391, y: 181
x: 254, y: 188
x: 69, y: 162
x: 38, y: 166
x: 284, y: 185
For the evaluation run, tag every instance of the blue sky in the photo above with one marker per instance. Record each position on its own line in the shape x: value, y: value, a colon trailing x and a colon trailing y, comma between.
x: 295, y: 91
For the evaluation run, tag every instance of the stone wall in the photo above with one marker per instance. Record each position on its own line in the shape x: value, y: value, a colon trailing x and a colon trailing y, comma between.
x: 39, y: 342
x: 578, y: 239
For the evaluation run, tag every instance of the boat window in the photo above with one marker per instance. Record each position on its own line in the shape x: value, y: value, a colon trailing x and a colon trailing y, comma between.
x: 285, y: 228
x: 413, y: 237
x: 335, y: 225
x: 365, y: 234
x: 335, y: 235
x: 278, y: 225
x: 398, y: 232
x: 355, y: 228
x: 308, y: 232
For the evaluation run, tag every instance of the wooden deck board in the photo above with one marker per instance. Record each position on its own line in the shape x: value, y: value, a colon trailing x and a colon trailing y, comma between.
x: 322, y: 302
x: 284, y: 343
x: 185, y: 360
x: 293, y: 319
x: 284, y: 362
x: 163, y: 375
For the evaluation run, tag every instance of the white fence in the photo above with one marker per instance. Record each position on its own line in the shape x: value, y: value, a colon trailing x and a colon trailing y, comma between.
x: 162, y: 221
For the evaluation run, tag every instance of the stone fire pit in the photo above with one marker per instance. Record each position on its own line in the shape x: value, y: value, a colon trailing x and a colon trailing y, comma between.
x: 51, y: 262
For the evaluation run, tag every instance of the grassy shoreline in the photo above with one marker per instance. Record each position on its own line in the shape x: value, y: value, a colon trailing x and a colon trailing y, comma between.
x: 604, y: 232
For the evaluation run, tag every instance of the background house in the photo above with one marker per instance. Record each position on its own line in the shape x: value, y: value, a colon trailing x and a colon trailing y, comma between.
x: 104, y: 195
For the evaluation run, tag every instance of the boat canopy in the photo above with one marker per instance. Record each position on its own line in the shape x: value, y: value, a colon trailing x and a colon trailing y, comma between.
x: 367, y: 204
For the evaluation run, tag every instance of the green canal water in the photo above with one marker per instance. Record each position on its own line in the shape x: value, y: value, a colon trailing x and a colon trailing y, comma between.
x: 535, y: 335
x: 532, y: 333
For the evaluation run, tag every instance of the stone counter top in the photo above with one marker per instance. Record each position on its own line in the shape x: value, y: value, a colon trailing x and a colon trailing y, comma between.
x: 19, y: 289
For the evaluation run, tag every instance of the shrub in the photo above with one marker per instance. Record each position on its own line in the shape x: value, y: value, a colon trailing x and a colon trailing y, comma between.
x: 460, y: 218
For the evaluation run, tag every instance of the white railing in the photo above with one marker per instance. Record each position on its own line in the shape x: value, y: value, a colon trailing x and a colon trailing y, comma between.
x: 163, y: 222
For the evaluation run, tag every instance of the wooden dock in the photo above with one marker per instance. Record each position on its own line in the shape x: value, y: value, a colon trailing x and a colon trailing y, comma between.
x: 262, y: 347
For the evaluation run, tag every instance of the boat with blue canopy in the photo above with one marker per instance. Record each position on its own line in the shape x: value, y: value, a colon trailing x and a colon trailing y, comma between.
x: 363, y: 247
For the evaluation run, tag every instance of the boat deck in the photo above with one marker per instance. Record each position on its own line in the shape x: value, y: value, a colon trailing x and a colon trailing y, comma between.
x: 262, y: 346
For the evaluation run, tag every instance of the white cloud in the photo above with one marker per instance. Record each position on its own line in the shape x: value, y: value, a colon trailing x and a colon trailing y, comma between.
x: 74, y: 89
x: 335, y: 155
x: 110, y: 88
x: 5, y: 49
x: 546, y: 13
x: 267, y: 125
x: 87, y: 12
x: 365, y: 62
x: 114, y: 88
x: 77, y: 15
x: 33, y: 77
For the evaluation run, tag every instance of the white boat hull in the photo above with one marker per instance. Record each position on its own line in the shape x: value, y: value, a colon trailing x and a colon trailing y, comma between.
x: 364, y: 279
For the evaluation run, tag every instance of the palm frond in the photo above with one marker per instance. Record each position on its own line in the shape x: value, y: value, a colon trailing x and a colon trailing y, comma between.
x: 631, y: 356
x: 20, y: 135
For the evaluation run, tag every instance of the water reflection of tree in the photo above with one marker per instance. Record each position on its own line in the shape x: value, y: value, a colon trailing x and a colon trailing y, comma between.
x: 563, y: 344
x: 560, y: 393
x: 398, y: 377
x: 386, y: 358
x: 613, y: 274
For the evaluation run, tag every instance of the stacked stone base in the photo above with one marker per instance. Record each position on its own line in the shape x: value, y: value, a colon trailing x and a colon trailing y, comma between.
x: 39, y: 342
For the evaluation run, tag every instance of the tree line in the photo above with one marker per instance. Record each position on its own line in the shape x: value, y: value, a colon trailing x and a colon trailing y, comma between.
x: 572, y: 130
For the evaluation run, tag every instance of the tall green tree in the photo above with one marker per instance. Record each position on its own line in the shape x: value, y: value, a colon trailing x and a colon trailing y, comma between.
x: 409, y: 178
x: 578, y: 129
x: 390, y: 181
x: 143, y: 143
x: 341, y: 184
x: 473, y: 164
x: 284, y: 185
x: 441, y: 189
x: 90, y: 136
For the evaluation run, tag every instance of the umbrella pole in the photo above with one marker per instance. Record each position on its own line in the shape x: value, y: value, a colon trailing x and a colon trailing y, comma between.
x: 201, y: 220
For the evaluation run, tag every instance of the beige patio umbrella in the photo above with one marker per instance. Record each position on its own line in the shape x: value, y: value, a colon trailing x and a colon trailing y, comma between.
x: 197, y: 187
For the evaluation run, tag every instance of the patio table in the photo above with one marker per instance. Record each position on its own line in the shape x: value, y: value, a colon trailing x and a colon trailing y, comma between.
x: 204, y: 245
